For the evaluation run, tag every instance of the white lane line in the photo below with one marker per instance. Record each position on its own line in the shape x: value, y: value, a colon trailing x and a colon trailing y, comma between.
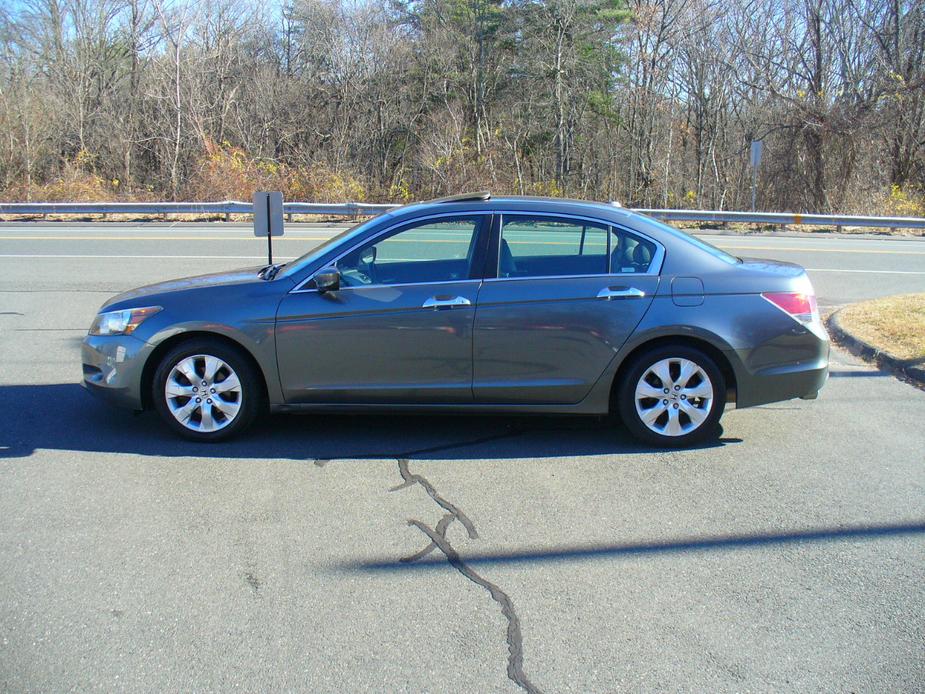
x: 152, y: 257
x: 871, y: 272
x: 204, y: 233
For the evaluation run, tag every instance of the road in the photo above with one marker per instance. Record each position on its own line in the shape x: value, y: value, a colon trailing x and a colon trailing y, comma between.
x: 789, y: 556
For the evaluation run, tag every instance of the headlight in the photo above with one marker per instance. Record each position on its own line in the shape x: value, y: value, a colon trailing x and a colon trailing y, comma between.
x: 121, y: 322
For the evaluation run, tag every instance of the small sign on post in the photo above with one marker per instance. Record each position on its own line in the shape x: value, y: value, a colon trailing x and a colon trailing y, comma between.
x: 757, y: 151
x: 268, y: 218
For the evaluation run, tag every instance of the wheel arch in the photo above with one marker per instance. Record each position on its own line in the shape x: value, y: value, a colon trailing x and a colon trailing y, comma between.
x: 163, y: 347
x: 707, y: 347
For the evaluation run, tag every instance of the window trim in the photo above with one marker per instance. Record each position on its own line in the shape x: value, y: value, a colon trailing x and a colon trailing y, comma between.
x: 494, y: 273
x: 484, y: 230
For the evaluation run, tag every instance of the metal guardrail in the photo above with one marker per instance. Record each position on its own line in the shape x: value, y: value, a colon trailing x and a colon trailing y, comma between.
x: 357, y: 209
x: 350, y: 209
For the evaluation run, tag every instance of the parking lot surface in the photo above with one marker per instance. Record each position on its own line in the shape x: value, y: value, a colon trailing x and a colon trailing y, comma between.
x: 788, y: 556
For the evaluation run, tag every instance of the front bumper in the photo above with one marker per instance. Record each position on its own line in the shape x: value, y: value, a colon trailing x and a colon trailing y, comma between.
x: 113, y: 367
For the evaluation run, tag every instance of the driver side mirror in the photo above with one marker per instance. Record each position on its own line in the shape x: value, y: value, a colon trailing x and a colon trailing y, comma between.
x: 327, y: 280
x: 368, y: 255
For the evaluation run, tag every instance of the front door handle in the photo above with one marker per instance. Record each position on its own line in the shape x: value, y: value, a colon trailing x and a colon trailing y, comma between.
x: 438, y: 302
x: 620, y: 293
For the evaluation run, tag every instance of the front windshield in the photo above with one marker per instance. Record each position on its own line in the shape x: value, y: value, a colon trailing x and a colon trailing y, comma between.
x: 701, y: 244
x: 325, y: 246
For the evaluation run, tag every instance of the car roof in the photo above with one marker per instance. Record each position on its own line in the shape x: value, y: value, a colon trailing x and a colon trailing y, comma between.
x: 482, y: 201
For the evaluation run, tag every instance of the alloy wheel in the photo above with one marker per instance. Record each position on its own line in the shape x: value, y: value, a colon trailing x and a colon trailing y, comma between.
x: 674, y: 396
x: 203, y: 393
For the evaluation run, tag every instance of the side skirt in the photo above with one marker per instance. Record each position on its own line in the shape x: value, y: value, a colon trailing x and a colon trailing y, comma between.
x: 582, y: 408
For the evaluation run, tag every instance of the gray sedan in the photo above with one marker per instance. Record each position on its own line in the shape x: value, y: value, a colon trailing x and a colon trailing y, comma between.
x: 472, y: 304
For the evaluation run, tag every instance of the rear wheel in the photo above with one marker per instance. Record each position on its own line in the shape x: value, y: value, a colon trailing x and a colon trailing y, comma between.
x: 206, y: 390
x: 672, y: 396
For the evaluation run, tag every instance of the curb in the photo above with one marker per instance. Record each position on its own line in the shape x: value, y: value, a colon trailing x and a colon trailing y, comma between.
x: 865, y: 350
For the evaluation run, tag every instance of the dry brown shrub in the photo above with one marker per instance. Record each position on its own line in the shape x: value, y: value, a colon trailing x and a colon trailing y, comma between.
x: 77, y: 182
x: 229, y: 173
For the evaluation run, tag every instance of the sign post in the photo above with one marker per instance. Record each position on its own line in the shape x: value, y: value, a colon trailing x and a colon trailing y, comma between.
x: 757, y: 151
x: 268, y: 218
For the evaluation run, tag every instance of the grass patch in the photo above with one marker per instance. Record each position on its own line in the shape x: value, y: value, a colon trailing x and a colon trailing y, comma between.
x: 895, y: 324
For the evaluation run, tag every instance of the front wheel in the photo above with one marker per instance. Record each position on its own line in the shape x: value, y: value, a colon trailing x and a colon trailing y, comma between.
x: 672, y: 396
x: 206, y: 390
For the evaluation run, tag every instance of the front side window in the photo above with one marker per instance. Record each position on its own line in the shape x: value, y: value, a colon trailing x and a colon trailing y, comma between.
x: 432, y: 251
x: 551, y: 247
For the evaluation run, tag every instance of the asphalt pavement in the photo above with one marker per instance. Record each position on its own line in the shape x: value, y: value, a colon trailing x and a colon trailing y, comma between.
x: 788, y: 556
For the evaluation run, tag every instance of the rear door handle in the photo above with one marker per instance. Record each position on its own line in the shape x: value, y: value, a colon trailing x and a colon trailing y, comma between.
x: 438, y: 302
x: 620, y: 293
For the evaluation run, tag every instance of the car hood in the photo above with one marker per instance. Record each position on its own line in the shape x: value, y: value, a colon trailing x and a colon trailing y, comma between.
x: 218, y: 279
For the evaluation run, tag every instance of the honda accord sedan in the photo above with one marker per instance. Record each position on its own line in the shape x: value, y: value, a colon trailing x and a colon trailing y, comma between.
x: 472, y: 304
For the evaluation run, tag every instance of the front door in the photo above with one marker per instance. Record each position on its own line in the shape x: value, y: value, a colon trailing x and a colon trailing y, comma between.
x: 398, y: 330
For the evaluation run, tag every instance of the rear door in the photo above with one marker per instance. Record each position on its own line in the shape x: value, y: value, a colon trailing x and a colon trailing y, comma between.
x: 561, y: 297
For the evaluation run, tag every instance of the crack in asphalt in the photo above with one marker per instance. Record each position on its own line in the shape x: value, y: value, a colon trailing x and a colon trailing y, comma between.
x: 453, y: 512
x: 439, y: 541
x: 515, y: 661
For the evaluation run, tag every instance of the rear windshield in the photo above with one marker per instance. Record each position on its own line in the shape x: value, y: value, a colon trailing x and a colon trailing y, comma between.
x: 702, y: 245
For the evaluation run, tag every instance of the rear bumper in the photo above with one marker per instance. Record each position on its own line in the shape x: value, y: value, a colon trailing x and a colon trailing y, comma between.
x: 112, y: 368
x: 795, y: 365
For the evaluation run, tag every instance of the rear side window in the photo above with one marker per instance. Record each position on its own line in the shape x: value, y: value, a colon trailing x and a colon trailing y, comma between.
x: 551, y: 247
x: 630, y: 253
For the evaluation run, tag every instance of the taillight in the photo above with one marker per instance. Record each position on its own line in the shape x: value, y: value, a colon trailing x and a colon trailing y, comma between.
x: 800, y: 305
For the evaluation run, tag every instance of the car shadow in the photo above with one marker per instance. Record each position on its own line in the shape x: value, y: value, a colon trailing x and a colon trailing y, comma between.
x: 63, y: 416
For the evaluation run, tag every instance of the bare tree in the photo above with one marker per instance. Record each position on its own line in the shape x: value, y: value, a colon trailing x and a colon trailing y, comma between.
x: 651, y: 102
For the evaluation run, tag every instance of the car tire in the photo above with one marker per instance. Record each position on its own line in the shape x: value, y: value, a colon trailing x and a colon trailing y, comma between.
x: 672, y: 396
x: 207, y: 390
